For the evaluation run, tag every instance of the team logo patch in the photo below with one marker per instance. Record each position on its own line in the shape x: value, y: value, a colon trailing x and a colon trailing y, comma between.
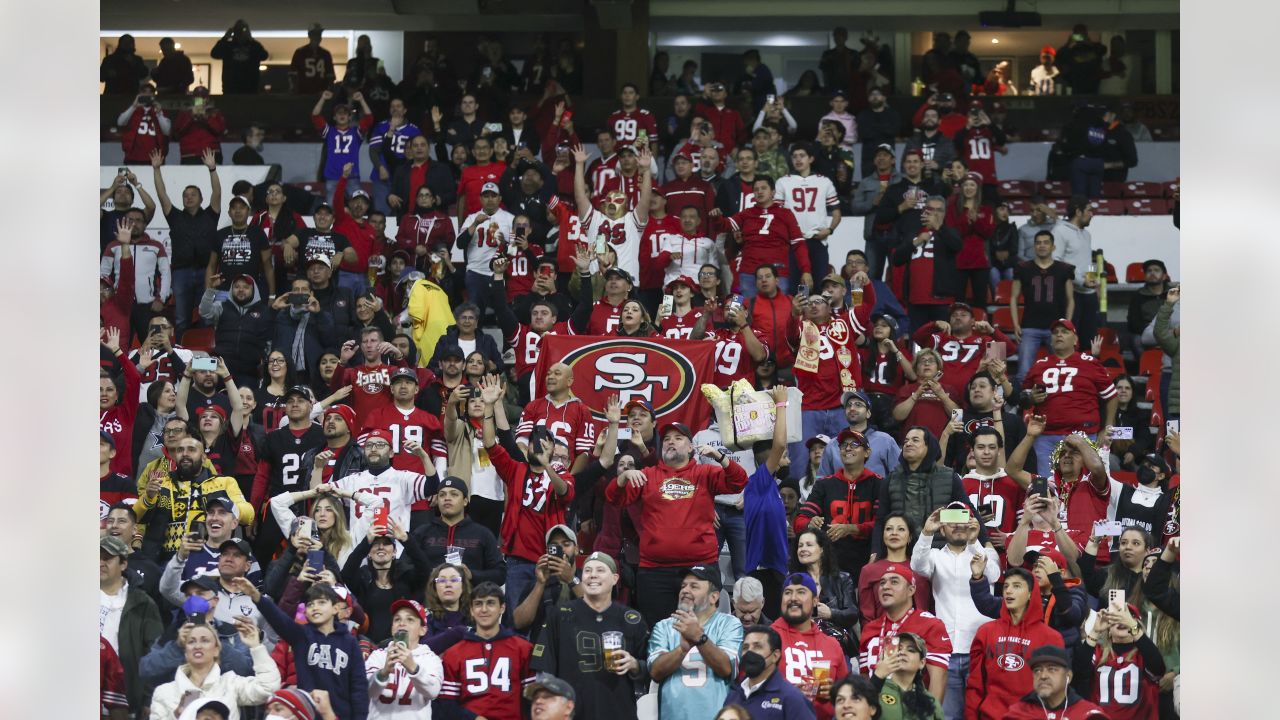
x: 887, y: 699
x: 1171, y: 528
x: 677, y: 488
x: 1011, y: 662
x: 633, y: 368
x: 838, y: 331
x: 537, y: 650
x: 972, y: 426
x: 631, y: 617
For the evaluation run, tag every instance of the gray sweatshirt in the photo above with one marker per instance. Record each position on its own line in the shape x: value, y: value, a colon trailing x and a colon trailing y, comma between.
x: 1074, y: 245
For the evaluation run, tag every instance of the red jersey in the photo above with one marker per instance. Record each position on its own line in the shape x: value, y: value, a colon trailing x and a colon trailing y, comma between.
x: 1040, y: 540
x: 112, y: 688
x: 800, y: 649
x: 628, y: 124
x: 653, y: 260
x: 1124, y: 688
x: 838, y: 368
x: 977, y: 147
x: 527, y: 343
x: 1002, y: 492
x: 1083, y: 505
x: 879, y: 631
x: 360, y: 233
x: 113, y: 488
x: 919, y: 273
x: 630, y: 186
x: 532, y: 509
x: 677, y: 516
x: 769, y: 234
x: 572, y: 234
x: 605, y: 317
x: 520, y: 269
x: 142, y: 134
x: 601, y: 171
x: 473, y: 178
x: 928, y: 410
x: 488, y: 677
x: 194, y: 134
x: 960, y: 357
x: 415, y: 425
x: 371, y: 388
x: 1073, y: 385
x: 570, y: 423
x: 882, y: 373
x: 694, y: 192
x: 117, y: 421
x: 679, y: 327
x: 732, y: 359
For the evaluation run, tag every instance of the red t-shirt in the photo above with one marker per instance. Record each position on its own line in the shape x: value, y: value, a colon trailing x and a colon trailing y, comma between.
x: 571, y: 423
x: 527, y: 343
x: 628, y: 124
x: 929, y: 410
x: 1073, y: 385
x: 533, y: 507
x: 925, y: 624
x: 979, y: 152
x: 769, y: 234
x: 653, y: 260
x: 732, y: 359
x: 520, y: 272
x: 604, y: 317
x: 371, y: 388
x: 473, y: 179
x: 601, y: 171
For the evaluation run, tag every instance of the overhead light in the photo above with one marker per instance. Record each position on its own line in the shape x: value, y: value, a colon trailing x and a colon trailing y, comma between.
x: 995, y: 41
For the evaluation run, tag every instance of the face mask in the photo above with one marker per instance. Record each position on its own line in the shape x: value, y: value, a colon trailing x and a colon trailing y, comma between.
x: 1146, y: 475
x: 274, y: 717
x: 559, y: 466
x: 751, y: 663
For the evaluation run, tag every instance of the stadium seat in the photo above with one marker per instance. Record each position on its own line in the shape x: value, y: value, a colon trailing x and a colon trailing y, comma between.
x: 1112, y: 189
x: 1147, y: 206
x: 979, y: 314
x: 1059, y: 205
x: 198, y: 339
x: 1109, y: 337
x: 1017, y: 188
x: 1170, y: 188
x: 1108, y: 206
x: 1055, y: 189
x: 1003, y: 318
x: 1143, y: 189
x: 1112, y: 360
x: 1112, y: 278
x: 1134, y: 273
x: 1003, y: 289
x: 1018, y: 206
x: 1151, y: 363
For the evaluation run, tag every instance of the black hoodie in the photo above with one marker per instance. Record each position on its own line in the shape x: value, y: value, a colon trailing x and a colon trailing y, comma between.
x: 903, y: 474
x: 479, y: 547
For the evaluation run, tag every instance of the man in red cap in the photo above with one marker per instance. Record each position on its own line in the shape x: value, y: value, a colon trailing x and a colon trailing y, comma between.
x: 399, y: 489
x: 339, y: 456
x: 677, y: 522
x: 897, y: 590
x: 962, y: 343
x: 1065, y: 388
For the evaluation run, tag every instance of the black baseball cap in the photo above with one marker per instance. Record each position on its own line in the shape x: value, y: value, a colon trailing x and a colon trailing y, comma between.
x: 206, y: 581
x: 551, y: 684
x: 239, y: 544
x: 452, y: 351
x: 620, y: 273
x: 710, y: 573
x: 1050, y: 654
x: 456, y: 483
x: 404, y: 373
x: 302, y: 390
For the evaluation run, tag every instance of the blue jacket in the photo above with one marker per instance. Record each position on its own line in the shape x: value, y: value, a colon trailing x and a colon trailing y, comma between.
x: 766, y: 519
x: 164, y: 659
x: 330, y: 662
x: 777, y: 699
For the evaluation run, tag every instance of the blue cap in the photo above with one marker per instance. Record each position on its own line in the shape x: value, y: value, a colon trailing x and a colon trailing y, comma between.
x: 801, y: 578
x: 195, y: 605
x: 105, y: 437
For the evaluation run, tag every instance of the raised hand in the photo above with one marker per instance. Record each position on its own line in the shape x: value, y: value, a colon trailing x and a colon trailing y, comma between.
x: 209, y: 159
x: 124, y: 231
x: 326, y: 95
x: 613, y: 409
x: 157, y: 158
x: 579, y: 154
x: 346, y: 170
x: 112, y: 342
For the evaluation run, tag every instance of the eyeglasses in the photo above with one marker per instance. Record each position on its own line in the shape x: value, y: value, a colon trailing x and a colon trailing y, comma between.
x: 707, y: 273
x: 377, y: 444
x: 276, y: 361
x: 275, y: 191
x: 174, y: 431
x: 448, y: 580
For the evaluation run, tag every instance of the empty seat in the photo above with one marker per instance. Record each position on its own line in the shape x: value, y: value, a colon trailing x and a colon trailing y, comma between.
x: 1059, y: 205
x: 1134, y: 273
x: 1003, y: 289
x: 1143, y: 189
x: 1019, y: 206
x: 1003, y: 318
x: 1170, y: 188
x: 1146, y: 206
x: 1108, y: 206
x: 1017, y: 188
x: 1113, y: 190
x: 198, y: 339
x: 1055, y: 189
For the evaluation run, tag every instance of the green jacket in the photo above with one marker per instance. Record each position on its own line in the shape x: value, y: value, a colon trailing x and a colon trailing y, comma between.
x: 140, y: 626
x: 891, y: 707
x: 1169, y: 344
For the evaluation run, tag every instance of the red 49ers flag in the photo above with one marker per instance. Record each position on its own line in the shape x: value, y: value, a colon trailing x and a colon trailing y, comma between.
x: 667, y: 373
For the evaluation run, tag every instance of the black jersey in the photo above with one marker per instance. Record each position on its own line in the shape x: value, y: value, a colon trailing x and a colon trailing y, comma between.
x: 1147, y: 508
x: 570, y: 647
x: 283, y: 456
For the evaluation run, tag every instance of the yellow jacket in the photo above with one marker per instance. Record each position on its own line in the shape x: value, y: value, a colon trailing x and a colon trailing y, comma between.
x: 429, y: 310
x: 179, y: 504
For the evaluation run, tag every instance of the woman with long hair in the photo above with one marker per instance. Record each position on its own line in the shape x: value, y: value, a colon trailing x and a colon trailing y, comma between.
x: 475, y: 367
x: 813, y: 553
x: 886, y: 367
x: 634, y: 321
x: 277, y: 378
x: 733, y: 712
x: 898, y: 537
x: 326, y: 365
x: 1124, y: 572
x: 1127, y: 664
x: 148, y: 428
x: 927, y: 401
x: 468, y: 458
x: 200, y: 675
x: 1160, y: 583
x: 900, y: 673
x: 328, y: 513
x: 975, y: 224
x: 1127, y: 454
x: 424, y: 229
x: 449, y: 600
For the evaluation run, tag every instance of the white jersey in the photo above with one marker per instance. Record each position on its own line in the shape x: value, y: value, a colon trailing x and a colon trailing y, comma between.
x: 485, y: 243
x: 694, y: 253
x: 809, y: 198
x: 400, y: 489
x: 623, y: 234
x: 403, y: 695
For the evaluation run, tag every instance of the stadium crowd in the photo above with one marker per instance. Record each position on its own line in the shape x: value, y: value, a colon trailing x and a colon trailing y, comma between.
x: 338, y: 480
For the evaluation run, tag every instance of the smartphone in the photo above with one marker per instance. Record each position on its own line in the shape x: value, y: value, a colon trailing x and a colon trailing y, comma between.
x: 382, y: 517
x: 493, y: 127
x: 1121, y: 433
x: 1173, y: 426
x: 122, y: 171
x: 305, y: 526
x: 536, y: 437
x: 402, y: 638
x: 987, y: 508
x: 771, y: 98
x: 954, y: 516
x: 197, y: 103
x: 555, y: 550
x: 206, y: 364
x: 200, y: 530
x: 997, y: 350
x: 298, y: 299
x: 624, y: 433
x: 1108, y: 528
x: 487, y: 72
x: 315, y: 560
x: 157, y: 330
x: 958, y: 415
x: 802, y: 290
x: 1115, y: 597
x: 1039, y: 486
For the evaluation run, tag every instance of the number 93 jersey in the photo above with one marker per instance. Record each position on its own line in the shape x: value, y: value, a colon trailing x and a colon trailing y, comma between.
x: 1073, y: 386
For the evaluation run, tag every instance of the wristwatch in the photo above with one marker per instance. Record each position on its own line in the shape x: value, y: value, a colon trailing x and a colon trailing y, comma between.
x: 576, y: 581
x: 701, y: 640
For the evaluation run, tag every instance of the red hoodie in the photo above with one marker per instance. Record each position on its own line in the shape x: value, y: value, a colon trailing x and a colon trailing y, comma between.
x: 998, y: 671
x: 117, y: 420
x: 1075, y: 708
x: 360, y: 233
x: 677, y: 526
x: 800, y: 649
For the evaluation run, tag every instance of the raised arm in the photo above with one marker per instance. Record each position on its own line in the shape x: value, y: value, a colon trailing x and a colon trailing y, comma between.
x: 158, y: 177
x: 645, y: 159
x: 580, y: 195
x: 215, y: 194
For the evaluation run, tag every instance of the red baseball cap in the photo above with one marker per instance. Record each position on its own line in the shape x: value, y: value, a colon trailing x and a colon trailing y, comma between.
x: 1063, y: 322
x: 413, y: 605
x: 212, y: 408
x: 380, y: 434
x: 683, y: 279
x: 904, y: 571
x: 1057, y: 557
x: 345, y: 412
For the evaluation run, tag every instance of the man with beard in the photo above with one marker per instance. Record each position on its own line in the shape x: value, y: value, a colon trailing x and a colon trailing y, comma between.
x: 878, y: 124
x: 240, y: 249
x: 400, y: 489
x: 342, y: 457
x: 169, y: 505
x: 677, y: 521
x: 900, y: 208
x: 405, y: 423
x: 693, y: 653
x: 884, y: 449
x: 937, y: 150
x: 804, y: 644
x: 538, y: 492
x: 204, y: 392
x: 417, y: 173
x: 242, y: 327
x: 566, y: 418
x: 571, y: 644
x: 437, y: 392
x: 897, y: 591
x: 761, y: 655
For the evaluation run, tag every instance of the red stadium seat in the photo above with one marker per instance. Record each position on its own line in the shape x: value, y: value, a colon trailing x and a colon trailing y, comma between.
x: 1147, y: 206
x: 1124, y: 476
x: 1170, y: 188
x: 979, y: 313
x: 1055, y: 189
x: 1018, y: 206
x: 1143, y: 189
x: 198, y: 339
x: 1108, y: 206
x: 1003, y: 318
x: 1112, y: 278
x: 1150, y: 363
x: 1059, y: 205
x: 1017, y: 188
x: 1133, y: 273
x: 1112, y: 189
x: 1112, y: 360
x: 1109, y: 338
x: 1003, y: 289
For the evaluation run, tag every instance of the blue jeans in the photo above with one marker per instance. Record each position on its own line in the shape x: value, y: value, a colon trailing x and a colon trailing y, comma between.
x: 819, y: 258
x: 520, y: 578
x: 747, y: 284
x: 357, y: 283
x: 1086, y: 177
x: 814, y: 422
x: 381, y: 189
x: 733, y: 526
x: 188, y: 286
x: 878, y: 248
x: 1044, y: 446
x: 1028, y: 347
x: 478, y: 289
x: 997, y: 275
x: 957, y: 676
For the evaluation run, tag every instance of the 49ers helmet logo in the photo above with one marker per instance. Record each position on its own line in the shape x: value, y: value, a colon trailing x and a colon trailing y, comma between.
x: 1011, y: 662
x: 634, y: 369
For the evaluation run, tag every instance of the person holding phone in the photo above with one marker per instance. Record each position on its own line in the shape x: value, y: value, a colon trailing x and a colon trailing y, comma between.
x: 405, y: 676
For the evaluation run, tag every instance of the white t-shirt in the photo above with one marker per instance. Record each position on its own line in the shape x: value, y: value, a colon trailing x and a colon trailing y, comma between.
x: 484, y: 243
x: 623, y: 234
x: 809, y: 198
x: 110, y: 608
x: 404, y: 695
x: 1043, y: 81
x: 694, y: 253
x: 468, y: 346
x: 484, y: 476
x: 400, y: 488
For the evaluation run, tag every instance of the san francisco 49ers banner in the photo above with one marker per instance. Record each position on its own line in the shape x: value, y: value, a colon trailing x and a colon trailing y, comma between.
x: 667, y: 373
